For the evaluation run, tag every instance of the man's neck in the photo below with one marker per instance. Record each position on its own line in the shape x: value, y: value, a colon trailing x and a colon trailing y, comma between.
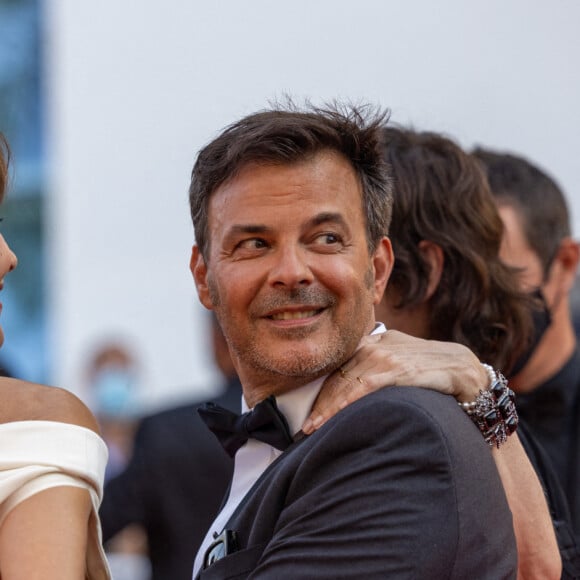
x: 257, y: 391
x: 551, y: 354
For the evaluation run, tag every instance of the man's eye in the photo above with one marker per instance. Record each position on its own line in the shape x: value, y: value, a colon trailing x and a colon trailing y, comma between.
x: 252, y: 244
x: 328, y: 239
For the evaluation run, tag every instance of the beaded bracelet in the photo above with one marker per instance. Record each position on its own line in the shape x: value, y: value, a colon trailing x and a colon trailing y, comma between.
x: 494, y: 410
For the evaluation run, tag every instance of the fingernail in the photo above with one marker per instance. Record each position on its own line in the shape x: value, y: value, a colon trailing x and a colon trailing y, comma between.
x: 311, y: 425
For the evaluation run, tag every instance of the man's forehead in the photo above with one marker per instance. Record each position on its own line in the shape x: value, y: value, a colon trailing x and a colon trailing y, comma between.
x: 260, y: 199
x: 514, y: 231
x: 284, y: 165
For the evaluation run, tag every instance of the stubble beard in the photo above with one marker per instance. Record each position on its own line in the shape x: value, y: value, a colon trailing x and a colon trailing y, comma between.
x: 295, y: 363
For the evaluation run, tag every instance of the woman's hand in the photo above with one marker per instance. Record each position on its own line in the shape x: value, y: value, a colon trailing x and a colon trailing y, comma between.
x: 396, y: 359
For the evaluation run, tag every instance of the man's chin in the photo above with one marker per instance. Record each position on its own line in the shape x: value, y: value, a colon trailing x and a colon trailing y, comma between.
x: 300, y: 363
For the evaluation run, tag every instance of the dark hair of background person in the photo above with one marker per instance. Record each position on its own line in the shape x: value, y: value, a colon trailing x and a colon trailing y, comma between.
x: 442, y: 195
x: 286, y: 135
x: 537, y: 198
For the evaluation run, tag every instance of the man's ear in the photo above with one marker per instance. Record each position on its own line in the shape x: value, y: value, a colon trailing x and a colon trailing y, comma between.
x: 383, y: 260
x: 562, y: 272
x: 433, y: 256
x: 199, y: 271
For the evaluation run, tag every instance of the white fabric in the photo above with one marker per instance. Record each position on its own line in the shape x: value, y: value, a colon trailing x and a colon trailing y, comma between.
x: 39, y: 455
x: 253, y: 458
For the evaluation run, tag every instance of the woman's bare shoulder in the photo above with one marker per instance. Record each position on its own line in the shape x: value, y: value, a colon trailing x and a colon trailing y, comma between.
x: 24, y: 401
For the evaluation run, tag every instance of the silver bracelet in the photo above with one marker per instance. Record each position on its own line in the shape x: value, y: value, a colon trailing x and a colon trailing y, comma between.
x: 494, y: 410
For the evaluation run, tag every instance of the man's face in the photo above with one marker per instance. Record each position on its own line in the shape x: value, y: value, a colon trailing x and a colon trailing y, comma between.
x: 515, y: 250
x: 289, y: 274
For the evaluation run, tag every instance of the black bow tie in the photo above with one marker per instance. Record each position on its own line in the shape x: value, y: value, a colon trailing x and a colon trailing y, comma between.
x: 264, y: 422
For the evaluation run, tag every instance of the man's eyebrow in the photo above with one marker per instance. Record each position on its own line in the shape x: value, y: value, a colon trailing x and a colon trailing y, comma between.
x: 328, y: 217
x: 238, y: 229
x: 317, y: 220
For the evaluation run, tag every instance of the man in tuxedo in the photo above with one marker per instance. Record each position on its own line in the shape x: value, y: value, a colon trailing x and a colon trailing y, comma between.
x: 291, y: 212
x: 175, y: 480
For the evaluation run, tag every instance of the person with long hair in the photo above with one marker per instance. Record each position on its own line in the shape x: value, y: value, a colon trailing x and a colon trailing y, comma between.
x: 52, y: 463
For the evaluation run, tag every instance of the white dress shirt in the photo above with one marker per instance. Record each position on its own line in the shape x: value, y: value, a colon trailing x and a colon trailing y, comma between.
x: 254, y: 457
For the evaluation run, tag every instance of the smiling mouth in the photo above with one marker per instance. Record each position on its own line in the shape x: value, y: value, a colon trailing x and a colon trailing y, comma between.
x: 294, y: 315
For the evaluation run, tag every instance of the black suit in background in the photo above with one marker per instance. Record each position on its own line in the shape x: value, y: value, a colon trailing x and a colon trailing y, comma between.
x: 552, y: 414
x: 557, y: 502
x: 398, y: 485
x: 173, y: 486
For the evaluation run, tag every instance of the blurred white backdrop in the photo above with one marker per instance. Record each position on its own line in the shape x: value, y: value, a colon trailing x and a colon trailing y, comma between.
x: 136, y: 88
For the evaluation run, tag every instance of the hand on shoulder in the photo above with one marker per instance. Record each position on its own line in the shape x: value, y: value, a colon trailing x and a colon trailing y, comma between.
x: 25, y: 401
x: 397, y: 359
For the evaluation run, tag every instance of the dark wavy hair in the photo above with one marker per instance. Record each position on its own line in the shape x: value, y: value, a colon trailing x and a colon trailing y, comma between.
x: 4, y: 160
x: 287, y: 135
x: 441, y: 195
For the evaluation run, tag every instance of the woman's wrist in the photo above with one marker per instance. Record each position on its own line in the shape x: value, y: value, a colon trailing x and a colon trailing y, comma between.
x: 471, y: 377
x: 493, y: 410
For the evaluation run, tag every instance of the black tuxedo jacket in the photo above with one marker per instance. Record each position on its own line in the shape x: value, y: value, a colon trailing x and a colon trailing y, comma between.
x: 398, y: 485
x: 173, y: 486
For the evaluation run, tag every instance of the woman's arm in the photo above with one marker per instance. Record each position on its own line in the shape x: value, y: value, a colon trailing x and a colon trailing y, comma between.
x: 538, y: 554
x: 394, y: 358
x: 45, y: 536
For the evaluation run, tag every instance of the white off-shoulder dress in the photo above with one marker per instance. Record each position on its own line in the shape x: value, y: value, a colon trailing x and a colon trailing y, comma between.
x: 38, y: 455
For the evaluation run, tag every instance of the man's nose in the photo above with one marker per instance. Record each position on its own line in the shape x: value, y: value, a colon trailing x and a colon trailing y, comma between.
x: 290, y: 268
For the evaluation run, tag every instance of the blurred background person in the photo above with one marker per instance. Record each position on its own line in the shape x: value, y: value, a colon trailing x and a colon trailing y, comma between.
x: 538, y: 241
x: 113, y: 396
x: 113, y: 377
